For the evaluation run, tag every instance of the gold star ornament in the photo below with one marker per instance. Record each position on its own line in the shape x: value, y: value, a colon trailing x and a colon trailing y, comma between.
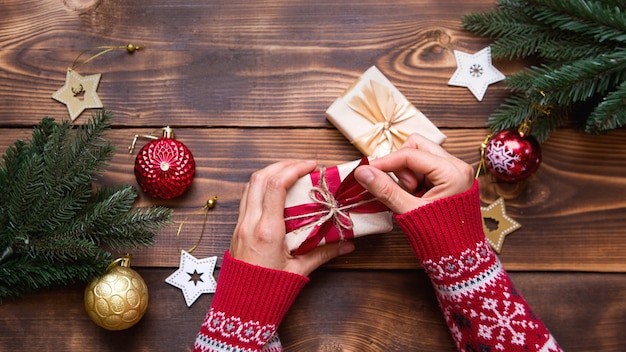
x: 79, y: 93
x: 501, y: 224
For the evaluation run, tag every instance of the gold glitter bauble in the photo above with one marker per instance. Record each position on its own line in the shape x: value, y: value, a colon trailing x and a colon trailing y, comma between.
x: 118, y: 299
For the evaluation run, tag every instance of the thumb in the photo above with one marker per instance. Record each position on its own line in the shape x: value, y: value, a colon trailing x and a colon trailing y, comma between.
x: 386, y: 190
x: 322, y: 254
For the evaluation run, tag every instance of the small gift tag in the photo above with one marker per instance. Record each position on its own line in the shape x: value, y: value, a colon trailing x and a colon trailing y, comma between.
x: 375, y: 116
x: 329, y: 205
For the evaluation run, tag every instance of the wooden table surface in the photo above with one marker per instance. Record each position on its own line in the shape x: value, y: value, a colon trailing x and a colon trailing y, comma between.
x: 245, y: 83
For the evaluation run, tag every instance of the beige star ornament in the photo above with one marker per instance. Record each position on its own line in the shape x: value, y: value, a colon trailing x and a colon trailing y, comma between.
x: 79, y: 93
x: 496, y: 212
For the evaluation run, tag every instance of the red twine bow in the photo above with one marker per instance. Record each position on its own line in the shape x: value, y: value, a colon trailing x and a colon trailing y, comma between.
x: 329, y: 214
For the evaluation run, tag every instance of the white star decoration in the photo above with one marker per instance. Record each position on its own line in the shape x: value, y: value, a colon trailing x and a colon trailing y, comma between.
x: 475, y: 72
x: 194, y: 276
x: 77, y: 86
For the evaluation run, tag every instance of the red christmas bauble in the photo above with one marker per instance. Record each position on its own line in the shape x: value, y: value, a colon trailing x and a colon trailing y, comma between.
x: 511, y: 157
x: 165, y: 167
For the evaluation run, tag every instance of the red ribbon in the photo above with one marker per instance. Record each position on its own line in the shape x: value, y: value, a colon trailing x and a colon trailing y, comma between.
x: 334, y: 200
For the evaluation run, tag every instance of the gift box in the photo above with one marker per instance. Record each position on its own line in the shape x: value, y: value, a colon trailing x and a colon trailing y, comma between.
x: 329, y: 205
x: 375, y: 116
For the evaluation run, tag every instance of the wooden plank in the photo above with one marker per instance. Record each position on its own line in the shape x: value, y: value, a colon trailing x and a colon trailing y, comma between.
x: 238, y: 63
x: 572, y: 213
x: 338, y: 311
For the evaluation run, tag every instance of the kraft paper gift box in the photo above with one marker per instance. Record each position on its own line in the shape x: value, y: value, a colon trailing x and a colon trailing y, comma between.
x: 376, y: 117
x: 329, y: 205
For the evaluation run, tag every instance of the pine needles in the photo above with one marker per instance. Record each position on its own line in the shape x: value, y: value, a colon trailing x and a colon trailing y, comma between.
x: 583, y: 47
x: 53, y: 225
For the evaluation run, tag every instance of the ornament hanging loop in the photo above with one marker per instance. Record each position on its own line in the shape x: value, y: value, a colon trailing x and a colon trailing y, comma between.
x: 122, y: 261
x: 130, y: 48
x: 168, y: 132
x: 210, y: 204
x: 481, y: 163
x: 538, y: 110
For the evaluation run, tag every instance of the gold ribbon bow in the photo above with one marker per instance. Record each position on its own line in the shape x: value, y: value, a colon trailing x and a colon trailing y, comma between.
x: 375, y: 102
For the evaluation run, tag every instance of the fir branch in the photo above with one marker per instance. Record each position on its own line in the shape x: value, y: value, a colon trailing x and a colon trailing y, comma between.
x: 22, y: 275
x: 61, y: 249
x: 581, y: 45
x: 51, y: 222
x: 518, y: 35
x: 508, y: 21
x: 610, y: 113
x: 518, y: 108
x: 573, y: 82
x: 134, y: 228
x: 566, y: 48
x: 582, y: 16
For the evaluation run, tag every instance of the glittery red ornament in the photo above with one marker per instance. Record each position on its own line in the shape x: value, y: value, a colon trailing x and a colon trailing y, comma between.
x: 165, y: 167
x: 512, y: 156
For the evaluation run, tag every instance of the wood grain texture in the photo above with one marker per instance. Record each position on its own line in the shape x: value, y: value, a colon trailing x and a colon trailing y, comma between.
x: 246, y: 83
x: 237, y: 63
x: 339, y: 310
x: 572, y: 216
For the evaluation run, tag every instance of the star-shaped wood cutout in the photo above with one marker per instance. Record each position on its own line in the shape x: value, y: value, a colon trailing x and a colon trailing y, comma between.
x: 194, y: 276
x: 496, y: 212
x: 79, y: 93
x: 475, y: 71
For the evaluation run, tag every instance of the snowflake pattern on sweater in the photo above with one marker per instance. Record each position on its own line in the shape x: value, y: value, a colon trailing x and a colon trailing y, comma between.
x: 481, y: 306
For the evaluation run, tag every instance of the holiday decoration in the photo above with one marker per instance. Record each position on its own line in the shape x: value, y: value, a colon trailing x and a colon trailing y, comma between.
x: 79, y: 92
x: 200, y: 280
x: 580, y: 49
x: 53, y: 221
x: 194, y: 276
x: 495, y: 213
x: 328, y: 205
x: 164, y: 167
x: 475, y: 71
x: 375, y: 116
x: 512, y: 156
x: 118, y: 299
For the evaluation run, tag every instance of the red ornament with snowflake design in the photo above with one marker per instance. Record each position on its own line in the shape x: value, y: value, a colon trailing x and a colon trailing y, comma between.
x: 512, y: 156
x: 165, y: 167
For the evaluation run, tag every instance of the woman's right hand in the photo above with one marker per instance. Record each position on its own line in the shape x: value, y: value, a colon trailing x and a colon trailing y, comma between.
x: 422, y: 167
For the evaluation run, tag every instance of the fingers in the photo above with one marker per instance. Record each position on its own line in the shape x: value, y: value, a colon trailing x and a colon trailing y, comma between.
x: 305, y: 264
x: 267, y: 187
x: 417, y: 141
x: 259, y: 234
x: 419, y: 163
x: 379, y: 184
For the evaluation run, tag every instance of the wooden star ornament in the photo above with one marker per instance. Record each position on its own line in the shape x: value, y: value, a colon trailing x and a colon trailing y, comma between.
x: 79, y: 93
x: 496, y: 212
x: 194, y: 276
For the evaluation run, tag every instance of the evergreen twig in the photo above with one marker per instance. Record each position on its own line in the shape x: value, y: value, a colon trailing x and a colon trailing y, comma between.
x: 52, y: 223
x: 582, y: 45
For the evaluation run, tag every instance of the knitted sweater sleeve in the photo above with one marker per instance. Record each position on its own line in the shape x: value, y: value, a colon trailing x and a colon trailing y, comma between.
x: 249, y: 303
x: 481, y: 306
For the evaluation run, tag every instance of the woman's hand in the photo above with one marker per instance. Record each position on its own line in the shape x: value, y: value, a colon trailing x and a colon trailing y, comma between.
x: 259, y: 237
x: 420, y: 166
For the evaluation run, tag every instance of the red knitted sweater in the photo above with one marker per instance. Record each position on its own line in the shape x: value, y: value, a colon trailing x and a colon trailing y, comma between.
x: 481, y: 306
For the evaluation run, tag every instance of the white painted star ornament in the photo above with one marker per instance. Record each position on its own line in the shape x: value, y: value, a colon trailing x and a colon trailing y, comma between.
x: 475, y: 71
x: 79, y: 93
x: 194, y: 276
